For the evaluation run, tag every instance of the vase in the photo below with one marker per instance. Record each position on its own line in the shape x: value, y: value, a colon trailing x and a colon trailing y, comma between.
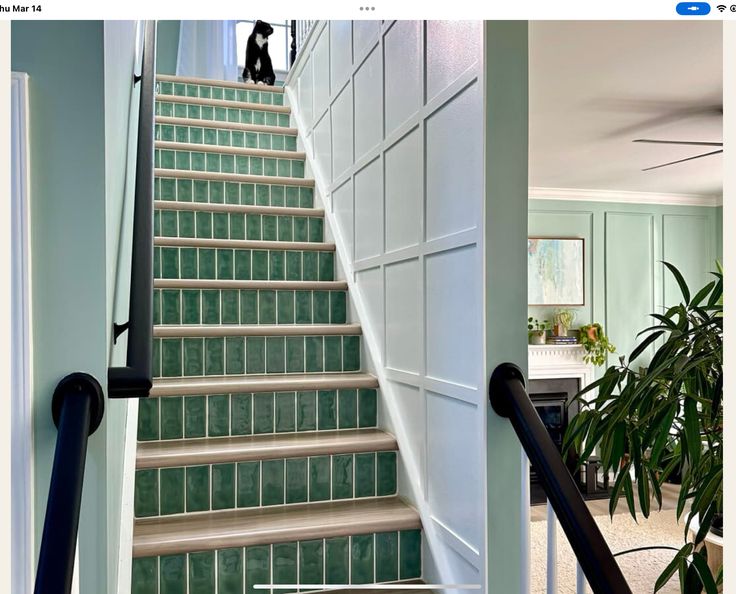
x: 537, y: 337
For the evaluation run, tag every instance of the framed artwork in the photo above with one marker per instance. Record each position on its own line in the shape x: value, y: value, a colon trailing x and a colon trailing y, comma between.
x: 556, y: 271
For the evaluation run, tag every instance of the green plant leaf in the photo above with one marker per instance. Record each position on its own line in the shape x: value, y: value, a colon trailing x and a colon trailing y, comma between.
x: 673, y: 566
x: 644, y: 344
x: 703, y: 570
x: 702, y: 294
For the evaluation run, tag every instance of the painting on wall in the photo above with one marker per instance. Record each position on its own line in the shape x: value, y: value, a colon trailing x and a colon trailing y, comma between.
x: 556, y: 270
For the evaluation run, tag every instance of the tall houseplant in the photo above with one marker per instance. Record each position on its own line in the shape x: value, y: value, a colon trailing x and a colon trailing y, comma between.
x: 652, y: 420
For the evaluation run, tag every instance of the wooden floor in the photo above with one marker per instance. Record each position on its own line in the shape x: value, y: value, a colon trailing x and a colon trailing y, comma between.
x: 599, y: 507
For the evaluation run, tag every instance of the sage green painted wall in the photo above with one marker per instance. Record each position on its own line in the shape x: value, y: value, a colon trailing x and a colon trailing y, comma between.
x: 719, y: 232
x: 624, y: 244
x: 506, y: 151
x: 167, y: 46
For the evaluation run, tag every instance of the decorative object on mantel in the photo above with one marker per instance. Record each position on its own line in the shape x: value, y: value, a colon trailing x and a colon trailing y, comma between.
x: 596, y: 344
x: 555, y: 271
x: 563, y: 320
x: 649, y: 423
x: 537, y: 331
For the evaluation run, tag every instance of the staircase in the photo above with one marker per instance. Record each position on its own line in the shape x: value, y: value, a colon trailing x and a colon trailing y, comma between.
x: 259, y: 459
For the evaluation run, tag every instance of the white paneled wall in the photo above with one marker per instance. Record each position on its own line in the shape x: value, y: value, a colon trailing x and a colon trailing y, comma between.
x: 399, y: 167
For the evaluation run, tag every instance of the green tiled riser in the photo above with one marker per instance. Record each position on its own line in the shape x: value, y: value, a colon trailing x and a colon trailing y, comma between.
x: 221, y: 137
x: 222, y: 114
x: 227, y: 415
x: 248, y: 306
x: 217, y: 192
x: 222, y: 163
x: 214, y: 92
x: 360, y: 559
x: 238, y: 355
x: 223, y: 225
x: 263, y: 483
x: 232, y: 264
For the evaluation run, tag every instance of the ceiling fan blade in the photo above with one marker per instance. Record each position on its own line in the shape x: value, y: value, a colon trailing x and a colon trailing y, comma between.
x: 694, y: 143
x: 683, y: 160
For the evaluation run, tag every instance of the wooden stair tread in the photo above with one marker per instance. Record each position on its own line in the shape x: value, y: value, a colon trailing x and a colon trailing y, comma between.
x: 238, y: 208
x: 187, y: 452
x: 286, y: 523
x: 368, y: 590
x: 261, y: 383
x: 212, y: 82
x: 199, y: 123
x: 235, y: 177
x: 207, y: 330
x: 229, y: 150
x: 244, y: 244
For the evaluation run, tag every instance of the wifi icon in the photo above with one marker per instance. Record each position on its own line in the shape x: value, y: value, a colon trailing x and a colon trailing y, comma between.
x: 721, y: 7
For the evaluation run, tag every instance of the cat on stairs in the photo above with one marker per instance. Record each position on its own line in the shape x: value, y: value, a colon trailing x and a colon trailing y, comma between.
x: 258, y: 68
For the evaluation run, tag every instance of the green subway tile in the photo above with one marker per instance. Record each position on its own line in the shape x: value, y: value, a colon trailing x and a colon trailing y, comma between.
x: 256, y: 165
x: 194, y: 111
x: 232, y: 195
x: 251, y: 140
x: 285, y: 307
x: 270, y: 228
x: 263, y: 195
x: 204, y: 225
x: 234, y: 355
x: 214, y: 356
x: 172, y: 491
x: 387, y: 556
x: 198, y: 488
x: 319, y: 478
x: 227, y: 163
x: 410, y: 554
x: 270, y: 167
x: 260, y: 265
x: 193, y: 356
x: 277, y: 142
x: 169, y: 262
x: 238, y: 138
x: 293, y: 266
x: 321, y: 309
x: 301, y: 229
x: 156, y: 357
x: 309, y: 266
x: 326, y: 266
x: 367, y: 408
x: 284, y: 167
x: 240, y: 414
x: 277, y: 196
x: 188, y: 262
x: 313, y: 353
x: 253, y: 227
x: 172, y: 417
x: 277, y: 263
x: 242, y: 165
x: 237, y: 226
x: 210, y: 307
x: 285, y: 230
x: 148, y: 419
x: 347, y: 406
x: 306, y: 411
x: 333, y: 353
x: 183, y: 160
x: 271, y: 119
x: 218, y: 415
x: 249, y: 484
x: 292, y: 196
x: 156, y: 306
x: 169, y: 223
x: 259, y: 118
x: 220, y: 225
x: 296, y: 480
x: 337, y: 560
x: 297, y: 168
x: 294, y: 354
x: 255, y: 354
x: 266, y: 307
x: 196, y: 135
x: 385, y: 473
x: 248, y: 307
x: 230, y: 306
x: 195, y: 416
x: 230, y: 571
x: 186, y: 224
x: 171, y: 357
x: 201, y: 190
x: 311, y: 562
x: 144, y: 579
x: 146, y: 493
x: 210, y: 136
x: 361, y: 559
x: 223, y: 486
x: 285, y: 418
x: 316, y: 229
x: 206, y: 263
x: 184, y: 190
x: 303, y: 306
x: 173, y: 575
x: 351, y: 353
x: 202, y: 572
x: 220, y: 114
x: 180, y: 134
x: 272, y: 482
x: 168, y: 189
x: 257, y: 567
x: 327, y: 409
x: 242, y: 265
x: 217, y: 192
x: 225, y: 264
x: 365, y: 475
x: 263, y: 413
x: 275, y: 354
x: 338, y: 307
x: 285, y: 565
x: 168, y: 159
x: 342, y: 476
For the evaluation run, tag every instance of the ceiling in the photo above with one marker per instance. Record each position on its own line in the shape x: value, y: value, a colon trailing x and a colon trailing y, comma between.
x: 596, y: 86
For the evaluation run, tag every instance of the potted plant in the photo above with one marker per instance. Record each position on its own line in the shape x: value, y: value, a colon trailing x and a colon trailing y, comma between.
x: 537, y: 331
x: 563, y: 320
x: 650, y: 421
x: 596, y: 344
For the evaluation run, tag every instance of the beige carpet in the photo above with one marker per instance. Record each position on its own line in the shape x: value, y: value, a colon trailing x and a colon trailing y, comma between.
x: 641, y: 569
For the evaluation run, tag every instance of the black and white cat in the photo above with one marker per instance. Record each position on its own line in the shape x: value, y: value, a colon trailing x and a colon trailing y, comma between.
x: 258, y: 68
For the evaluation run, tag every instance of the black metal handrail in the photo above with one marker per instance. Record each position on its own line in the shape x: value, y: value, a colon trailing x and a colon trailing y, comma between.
x: 77, y: 408
x: 509, y: 399
x: 135, y: 379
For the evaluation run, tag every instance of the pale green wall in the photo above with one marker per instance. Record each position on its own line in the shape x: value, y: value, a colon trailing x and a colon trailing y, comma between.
x: 167, y: 46
x: 624, y: 243
x: 719, y: 232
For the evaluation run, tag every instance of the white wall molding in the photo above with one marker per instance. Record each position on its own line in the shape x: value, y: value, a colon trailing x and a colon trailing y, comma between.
x: 625, y: 197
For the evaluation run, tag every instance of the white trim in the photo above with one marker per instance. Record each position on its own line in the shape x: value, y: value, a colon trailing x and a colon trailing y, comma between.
x: 627, y: 197
x: 21, y: 374
x: 125, y: 555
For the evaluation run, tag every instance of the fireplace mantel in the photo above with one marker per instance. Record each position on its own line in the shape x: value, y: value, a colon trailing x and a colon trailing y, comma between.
x: 559, y: 360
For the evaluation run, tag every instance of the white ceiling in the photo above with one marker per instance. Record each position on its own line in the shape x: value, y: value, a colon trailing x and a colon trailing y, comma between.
x: 596, y: 86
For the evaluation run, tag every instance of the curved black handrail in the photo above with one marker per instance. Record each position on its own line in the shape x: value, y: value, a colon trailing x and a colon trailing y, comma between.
x: 509, y: 398
x: 136, y: 378
x: 77, y: 408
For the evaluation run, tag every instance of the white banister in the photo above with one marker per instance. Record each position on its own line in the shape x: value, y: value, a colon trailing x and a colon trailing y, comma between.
x: 551, y: 550
x: 580, y: 587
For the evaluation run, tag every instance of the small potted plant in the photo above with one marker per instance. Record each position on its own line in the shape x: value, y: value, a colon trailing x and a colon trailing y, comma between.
x: 596, y: 344
x: 563, y: 320
x: 537, y: 331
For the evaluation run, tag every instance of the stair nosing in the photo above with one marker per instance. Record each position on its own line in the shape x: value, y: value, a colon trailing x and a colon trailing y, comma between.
x: 199, y: 123
x: 223, y: 103
x: 234, y: 177
x: 249, y: 448
x: 199, y: 283
x: 211, y: 82
x: 256, y: 526
x: 243, y: 244
x: 229, y: 150
x: 217, y: 330
x: 245, y: 384
x: 294, y: 211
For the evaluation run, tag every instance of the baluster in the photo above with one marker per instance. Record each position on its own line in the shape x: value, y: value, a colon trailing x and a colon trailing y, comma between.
x: 551, y: 550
